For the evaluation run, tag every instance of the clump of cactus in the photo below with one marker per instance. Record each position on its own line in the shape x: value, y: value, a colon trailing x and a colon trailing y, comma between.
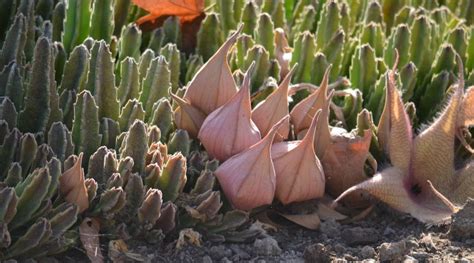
x: 151, y: 121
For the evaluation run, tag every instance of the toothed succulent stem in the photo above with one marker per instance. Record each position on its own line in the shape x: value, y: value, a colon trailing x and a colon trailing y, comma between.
x: 209, y: 37
x: 135, y: 145
x: 101, y: 23
x: 85, y: 128
x: 155, y: 85
x: 76, y: 23
x: 34, y: 116
x: 172, y: 56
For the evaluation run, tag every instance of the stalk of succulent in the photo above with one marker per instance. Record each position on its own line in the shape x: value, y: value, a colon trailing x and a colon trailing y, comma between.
x: 11, y: 86
x: 14, y: 42
x: 8, y: 112
x: 248, y: 179
x: 34, y: 117
x: 172, y: 55
x: 299, y: 173
x: 179, y: 142
x: 150, y: 210
x: 76, y: 24
x: 173, y: 177
x: 129, y: 87
x: 85, y: 128
x: 304, y: 48
x: 135, y: 145
x: 101, y: 23
x: 274, y: 108
x: 156, y: 84
x: 101, y: 81
x: 131, y: 111
x: 162, y: 117
x: 31, y: 193
x: 230, y: 129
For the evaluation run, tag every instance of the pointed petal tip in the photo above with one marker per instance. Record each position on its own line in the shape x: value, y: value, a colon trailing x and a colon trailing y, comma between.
x: 240, y: 27
x: 79, y: 159
x: 279, y: 124
x: 326, y: 75
x: 250, y: 70
x: 292, y: 70
x: 311, y: 133
x: 397, y: 59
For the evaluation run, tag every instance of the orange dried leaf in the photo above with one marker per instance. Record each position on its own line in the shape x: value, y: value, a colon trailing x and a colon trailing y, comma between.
x: 186, y: 10
x: 89, y: 235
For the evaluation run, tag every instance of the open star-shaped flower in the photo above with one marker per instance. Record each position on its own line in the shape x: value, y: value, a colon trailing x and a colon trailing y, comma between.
x: 425, y: 178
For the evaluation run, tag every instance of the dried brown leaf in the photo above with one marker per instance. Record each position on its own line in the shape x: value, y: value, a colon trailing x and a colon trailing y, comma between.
x: 328, y: 213
x: 89, y: 235
x: 309, y: 221
x: 186, y: 10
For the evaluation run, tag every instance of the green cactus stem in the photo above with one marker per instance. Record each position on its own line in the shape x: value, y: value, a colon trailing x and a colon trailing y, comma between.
x: 156, y: 84
x: 85, y: 128
x: 102, y: 24
x: 129, y: 87
x: 132, y: 111
x: 135, y: 145
x: 209, y: 37
x: 34, y: 116
x: 76, y: 23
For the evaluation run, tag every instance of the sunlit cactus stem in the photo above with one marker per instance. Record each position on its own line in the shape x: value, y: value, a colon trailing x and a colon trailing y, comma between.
x: 76, y: 23
x: 102, y: 23
x: 85, y: 128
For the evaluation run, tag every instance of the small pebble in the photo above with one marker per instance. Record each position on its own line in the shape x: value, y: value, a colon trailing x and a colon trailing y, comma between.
x: 206, y: 259
x: 409, y: 259
x: 267, y: 247
x: 316, y: 253
x: 368, y: 252
x: 359, y: 236
x: 462, y: 226
x: 392, y: 251
x: 340, y: 249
